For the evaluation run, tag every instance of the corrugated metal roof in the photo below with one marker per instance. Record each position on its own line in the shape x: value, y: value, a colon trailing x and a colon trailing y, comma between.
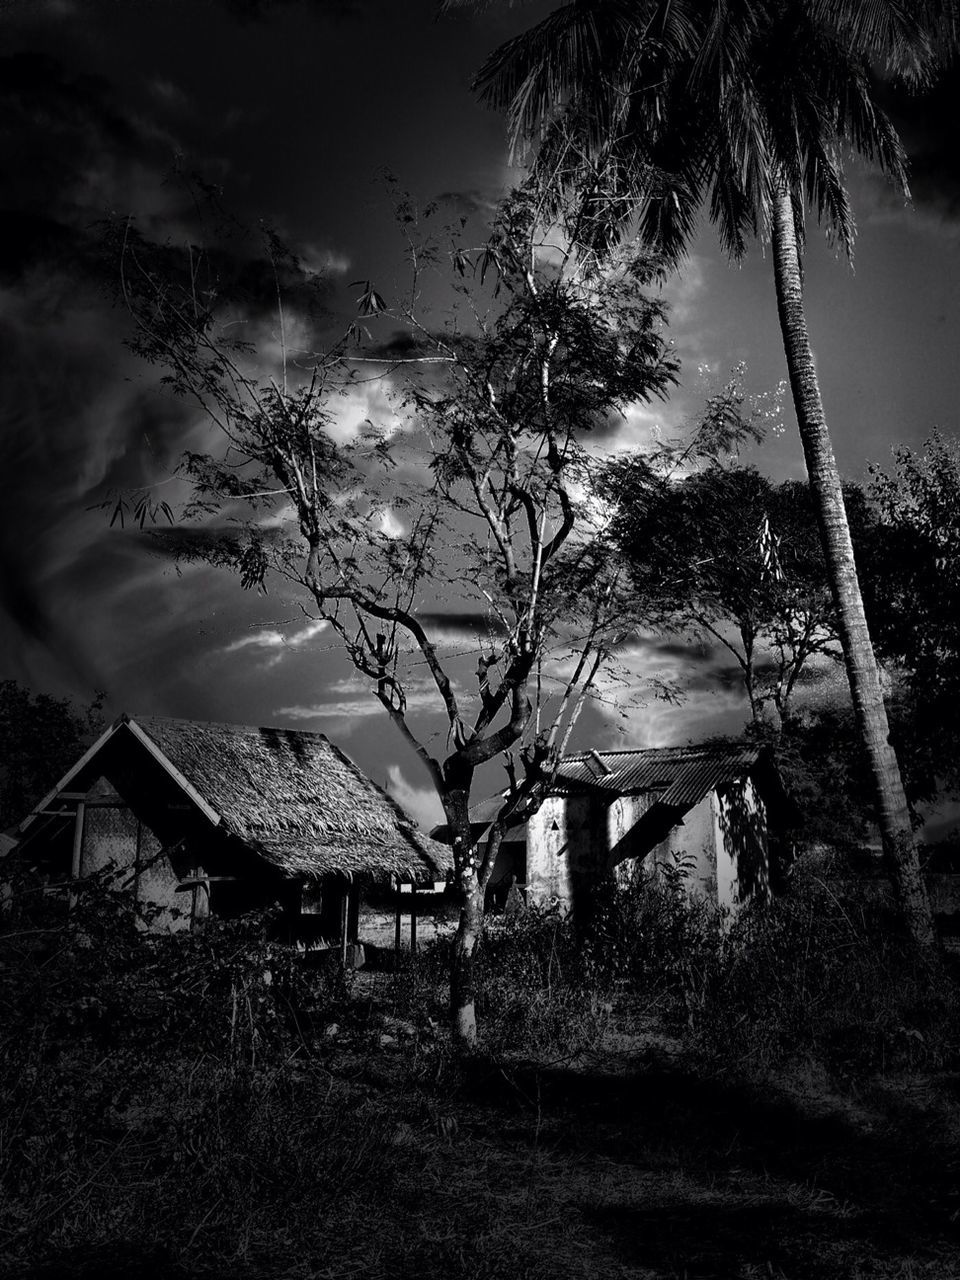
x: 681, y: 775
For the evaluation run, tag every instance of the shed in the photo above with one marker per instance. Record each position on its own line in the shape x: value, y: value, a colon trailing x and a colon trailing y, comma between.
x: 194, y: 818
x: 706, y: 810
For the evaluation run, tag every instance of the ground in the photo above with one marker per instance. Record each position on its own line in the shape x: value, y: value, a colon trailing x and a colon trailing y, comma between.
x: 630, y: 1160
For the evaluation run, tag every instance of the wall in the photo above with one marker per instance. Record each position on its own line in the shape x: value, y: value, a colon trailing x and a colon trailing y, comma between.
x: 720, y: 843
x: 690, y: 844
x: 743, y: 860
x: 113, y: 835
x: 567, y: 852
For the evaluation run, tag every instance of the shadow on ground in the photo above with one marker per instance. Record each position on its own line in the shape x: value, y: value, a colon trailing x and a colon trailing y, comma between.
x: 743, y: 1181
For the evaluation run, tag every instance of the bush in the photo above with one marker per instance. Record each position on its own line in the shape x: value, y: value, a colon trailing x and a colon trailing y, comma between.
x: 650, y: 941
x: 147, y: 1081
x: 535, y: 989
x: 224, y: 990
x: 822, y: 977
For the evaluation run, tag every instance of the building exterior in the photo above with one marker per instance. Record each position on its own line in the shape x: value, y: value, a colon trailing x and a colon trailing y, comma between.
x: 704, y: 810
x: 192, y: 818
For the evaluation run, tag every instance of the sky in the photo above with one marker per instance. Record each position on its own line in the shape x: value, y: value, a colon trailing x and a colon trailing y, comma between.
x: 296, y: 110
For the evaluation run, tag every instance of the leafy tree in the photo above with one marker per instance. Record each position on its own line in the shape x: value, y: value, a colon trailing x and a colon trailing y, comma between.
x: 725, y: 554
x: 475, y: 513
x: 747, y: 106
x: 915, y: 581
x: 40, y: 738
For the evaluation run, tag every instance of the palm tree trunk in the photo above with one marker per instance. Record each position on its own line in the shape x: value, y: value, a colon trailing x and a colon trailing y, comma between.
x: 899, y: 845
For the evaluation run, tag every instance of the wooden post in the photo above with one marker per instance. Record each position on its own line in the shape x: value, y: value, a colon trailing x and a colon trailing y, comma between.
x: 353, y: 913
x: 397, y: 934
x: 77, y: 854
x: 413, y: 918
x: 343, y: 924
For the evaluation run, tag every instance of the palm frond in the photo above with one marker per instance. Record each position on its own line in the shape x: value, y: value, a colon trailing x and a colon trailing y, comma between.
x: 576, y: 51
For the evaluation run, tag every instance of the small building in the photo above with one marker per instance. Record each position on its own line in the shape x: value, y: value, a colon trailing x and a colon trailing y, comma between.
x: 704, y: 810
x: 712, y: 812
x: 194, y: 819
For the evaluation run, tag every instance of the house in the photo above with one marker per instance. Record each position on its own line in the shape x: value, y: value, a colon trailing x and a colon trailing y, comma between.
x: 712, y: 811
x: 194, y: 819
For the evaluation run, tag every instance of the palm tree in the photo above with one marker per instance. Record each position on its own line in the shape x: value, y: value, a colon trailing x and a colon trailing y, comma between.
x: 746, y: 104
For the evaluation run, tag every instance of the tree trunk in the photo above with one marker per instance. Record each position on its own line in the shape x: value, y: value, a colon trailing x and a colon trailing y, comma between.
x: 463, y: 989
x: 899, y: 845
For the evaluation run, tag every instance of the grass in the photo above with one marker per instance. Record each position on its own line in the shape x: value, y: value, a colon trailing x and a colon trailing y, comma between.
x: 351, y: 1168
x: 678, y: 1111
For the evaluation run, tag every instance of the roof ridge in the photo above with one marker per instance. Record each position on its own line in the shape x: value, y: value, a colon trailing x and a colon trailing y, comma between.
x: 693, y: 749
x: 224, y: 724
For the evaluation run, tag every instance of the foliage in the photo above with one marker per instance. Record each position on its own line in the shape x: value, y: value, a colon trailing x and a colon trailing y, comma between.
x: 40, y: 738
x: 139, y: 1074
x: 537, y: 991
x: 198, y: 1145
x: 821, y: 976
x: 472, y: 515
x: 224, y: 990
x: 534, y: 986
x: 693, y: 106
x: 649, y: 939
x: 747, y: 110
x: 724, y: 553
x: 915, y: 579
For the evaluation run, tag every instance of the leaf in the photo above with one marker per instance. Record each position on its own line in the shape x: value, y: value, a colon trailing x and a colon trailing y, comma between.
x: 370, y: 303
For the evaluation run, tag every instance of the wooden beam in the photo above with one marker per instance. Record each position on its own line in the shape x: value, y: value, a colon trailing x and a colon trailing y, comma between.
x: 193, y: 881
x: 413, y: 919
x: 174, y: 772
x: 343, y: 925
x: 399, y: 930
x: 77, y: 856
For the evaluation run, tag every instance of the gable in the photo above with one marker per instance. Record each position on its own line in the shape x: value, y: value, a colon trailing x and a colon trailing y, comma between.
x: 291, y: 799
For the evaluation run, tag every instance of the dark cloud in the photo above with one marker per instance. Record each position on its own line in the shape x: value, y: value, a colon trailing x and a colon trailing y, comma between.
x: 929, y: 124
x: 401, y: 345
x: 56, y: 129
x: 685, y: 650
x: 469, y: 203
x: 469, y: 622
x: 331, y: 10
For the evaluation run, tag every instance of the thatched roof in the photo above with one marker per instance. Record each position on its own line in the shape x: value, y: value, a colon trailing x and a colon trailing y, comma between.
x: 290, y: 796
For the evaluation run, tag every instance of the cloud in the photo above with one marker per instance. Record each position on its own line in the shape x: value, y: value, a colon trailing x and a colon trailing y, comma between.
x: 390, y: 526
x: 358, y: 407
x: 422, y: 803
x: 168, y: 93
x: 352, y: 700
x: 705, y: 697
x: 278, y: 643
x: 929, y: 126
x: 323, y: 261
x: 359, y: 708
x: 461, y: 627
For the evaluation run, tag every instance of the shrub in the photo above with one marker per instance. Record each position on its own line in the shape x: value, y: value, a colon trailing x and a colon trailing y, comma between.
x: 224, y: 990
x: 649, y: 940
x: 535, y: 990
x: 821, y: 977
